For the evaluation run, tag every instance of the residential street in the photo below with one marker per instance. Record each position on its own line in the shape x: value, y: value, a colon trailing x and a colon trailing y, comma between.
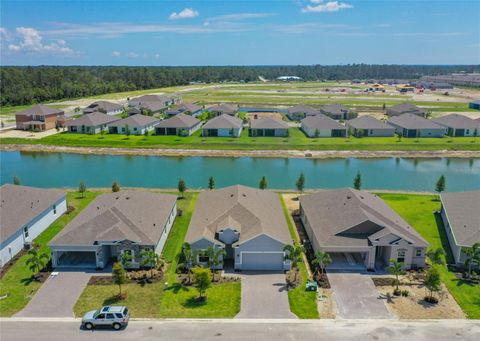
x: 178, y: 330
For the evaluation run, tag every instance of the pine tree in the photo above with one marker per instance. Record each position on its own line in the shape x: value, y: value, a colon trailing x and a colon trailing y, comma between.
x: 211, y: 183
x: 182, y: 187
x: 263, y: 183
x: 300, y: 182
x: 357, y: 181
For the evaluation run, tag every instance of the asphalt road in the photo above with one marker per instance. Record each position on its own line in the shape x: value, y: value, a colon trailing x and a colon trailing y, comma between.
x: 178, y: 330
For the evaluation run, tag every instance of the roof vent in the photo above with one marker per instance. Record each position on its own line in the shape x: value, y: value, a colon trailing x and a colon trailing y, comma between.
x: 231, y: 195
x: 349, y: 197
x: 154, y: 224
x: 98, y: 207
x: 244, y: 195
x: 127, y: 198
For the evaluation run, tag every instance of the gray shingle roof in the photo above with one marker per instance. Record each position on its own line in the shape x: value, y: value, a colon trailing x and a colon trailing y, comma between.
x: 21, y: 204
x: 404, y: 108
x: 92, y: 120
x: 224, y: 108
x: 303, y: 109
x: 105, y: 105
x: 334, y: 109
x: 463, y: 213
x: 456, y: 121
x: 268, y: 123
x: 321, y: 121
x: 40, y: 110
x: 223, y: 121
x: 248, y: 210
x: 411, y: 121
x: 348, y: 217
x: 138, y: 216
x: 135, y: 121
x: 368, y: 122
x: 179, y: 121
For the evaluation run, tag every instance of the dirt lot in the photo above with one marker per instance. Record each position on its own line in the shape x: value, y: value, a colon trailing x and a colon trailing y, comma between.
x: 251, y: 116
x: 414, y: 307
x: 26, y: 134
x: 326, y: 307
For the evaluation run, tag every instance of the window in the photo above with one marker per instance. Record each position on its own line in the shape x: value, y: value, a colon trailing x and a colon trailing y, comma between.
x: 110, y: 316
x: 128, y: 252
x: 54, y: 209
x: 401, y: 256
x: 202, y: 258
x: 100, y: 317
x: 418, y: 253
x: 468, y: 131
x: 119, y: 316
x: 25, y: 232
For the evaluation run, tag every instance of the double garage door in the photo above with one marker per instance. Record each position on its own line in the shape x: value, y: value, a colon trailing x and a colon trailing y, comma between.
x: 262, y: 260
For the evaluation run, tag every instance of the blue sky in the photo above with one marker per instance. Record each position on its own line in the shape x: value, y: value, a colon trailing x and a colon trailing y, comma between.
x: 243, y: 32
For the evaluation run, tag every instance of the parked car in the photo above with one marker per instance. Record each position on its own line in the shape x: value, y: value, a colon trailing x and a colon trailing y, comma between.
x: 112, y: 316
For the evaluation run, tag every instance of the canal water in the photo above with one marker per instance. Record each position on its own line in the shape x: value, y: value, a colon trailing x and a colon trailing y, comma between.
x: 67, y: 170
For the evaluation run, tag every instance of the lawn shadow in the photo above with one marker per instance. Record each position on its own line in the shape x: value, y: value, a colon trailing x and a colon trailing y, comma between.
x: 27, y: 280
x: 111, y: 300
x: 444, y: 238
x: 176, y: 287
x: 194, y: 302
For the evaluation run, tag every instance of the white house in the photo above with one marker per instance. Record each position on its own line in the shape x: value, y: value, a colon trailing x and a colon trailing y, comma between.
x: 224, y: 126
x: 25, y: 212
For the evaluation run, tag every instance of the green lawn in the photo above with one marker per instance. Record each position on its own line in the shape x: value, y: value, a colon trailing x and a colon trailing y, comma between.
x: 153, y: 300
x: 296, y: 141
x: 302, y: 303
x: 418, y: 210
x: 17, y: 281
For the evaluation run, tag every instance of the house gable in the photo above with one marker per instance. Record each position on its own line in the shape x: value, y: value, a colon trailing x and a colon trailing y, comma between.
x: 261, y: 242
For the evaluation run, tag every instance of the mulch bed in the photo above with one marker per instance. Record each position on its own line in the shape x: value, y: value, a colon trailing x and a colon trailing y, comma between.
x: 185, y: 280
x: 323, y: 281
x: 138, y: 276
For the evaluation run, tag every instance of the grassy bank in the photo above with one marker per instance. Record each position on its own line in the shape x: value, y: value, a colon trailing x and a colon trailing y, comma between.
x: 302, y: 303
x: 156, y: 301
x: 17, y: 283
x: 418, y: 210
x: 295, y: 141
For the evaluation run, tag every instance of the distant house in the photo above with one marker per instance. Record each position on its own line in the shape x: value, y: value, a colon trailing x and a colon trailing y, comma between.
x: 458, y: 125
x: 410, y: 125
x: 359, y: 230
x: 135, y: 125
x: 370, y: 126
x: 248, y: 223
x: 134, y: 111
x: 405, y: 108
x: 474, y: 105
x: 223, y: 109
x: 461, y: 218
x: 114, y: 224
x: 299, y: 112
x: 322, y: 126
x: 39, y: 118
x: 25, y: 212
x: 154, y: 103
x: 223, y: 125
x: 180, y: 124
x: 268, y: 126
x: 105, y: 107
x: 93, y: 123
x: 186, y: 108
x: 337, y: 112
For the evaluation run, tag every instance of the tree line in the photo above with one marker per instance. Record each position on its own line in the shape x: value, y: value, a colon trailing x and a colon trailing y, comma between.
x: 22, y: 85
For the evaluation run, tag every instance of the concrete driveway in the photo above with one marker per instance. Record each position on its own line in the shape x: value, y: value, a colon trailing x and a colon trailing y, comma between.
x: 264, y: 295
x: 57, y: 295
x: 357, y: 297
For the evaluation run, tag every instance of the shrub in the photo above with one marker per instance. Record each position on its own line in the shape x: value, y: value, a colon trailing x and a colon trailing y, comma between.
x: 405, y: 293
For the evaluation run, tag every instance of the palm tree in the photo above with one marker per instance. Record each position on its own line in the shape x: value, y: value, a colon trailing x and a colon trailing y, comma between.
x: 436, y: 256
x: 149, y: 259
x: 294, y: 254
x: 473, y: 256
x: 36, y: 261
x: 321, y: 260
x: 189, y: 259
x: 396, y: 269
x: 215, y: 258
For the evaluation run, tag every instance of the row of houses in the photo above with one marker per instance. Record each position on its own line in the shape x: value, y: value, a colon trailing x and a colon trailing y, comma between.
x: 356, y: 227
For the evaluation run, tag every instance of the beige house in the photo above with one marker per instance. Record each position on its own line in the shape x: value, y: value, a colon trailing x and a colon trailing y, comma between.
x: 359, y: 231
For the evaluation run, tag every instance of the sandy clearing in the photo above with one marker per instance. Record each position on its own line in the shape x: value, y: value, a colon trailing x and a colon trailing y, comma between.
x: 14, y: 133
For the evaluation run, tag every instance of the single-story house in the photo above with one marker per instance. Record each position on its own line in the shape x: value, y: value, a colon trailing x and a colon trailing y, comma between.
x: 135, y: 125
x: 154, y: 103
x: 39, y: 118
x: 248, y: 223
x: 297, y: 112
x: 93, y: 123
x: 460, y: 213
x: 458, y: 125
x: 223, y: 125
x: 113, y: 224
x: 474, y: 105
x: 322, y: 126
x: 186, y: 108
x: 134, y: 111
x: 359, y: 230
x: 105, y: 107
x: 223, y: 109
x: 268, y: 126
x: 405, y: 108
x: 25, y: 212
x: 369, y: 126
x: 410, y: 125
x: 338, y: 112
x: 180, y: 124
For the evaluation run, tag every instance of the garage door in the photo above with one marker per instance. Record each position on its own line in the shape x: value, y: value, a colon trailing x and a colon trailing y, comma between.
x: 262, y: 261
x: 85, y: 259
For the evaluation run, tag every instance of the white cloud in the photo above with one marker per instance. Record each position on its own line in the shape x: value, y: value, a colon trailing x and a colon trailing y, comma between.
x: 132, y: 55
x: 31, y: 41
x: 157, y: 55
x: 320, y: 7
x: 186, y: 13
x: 116, y: 54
